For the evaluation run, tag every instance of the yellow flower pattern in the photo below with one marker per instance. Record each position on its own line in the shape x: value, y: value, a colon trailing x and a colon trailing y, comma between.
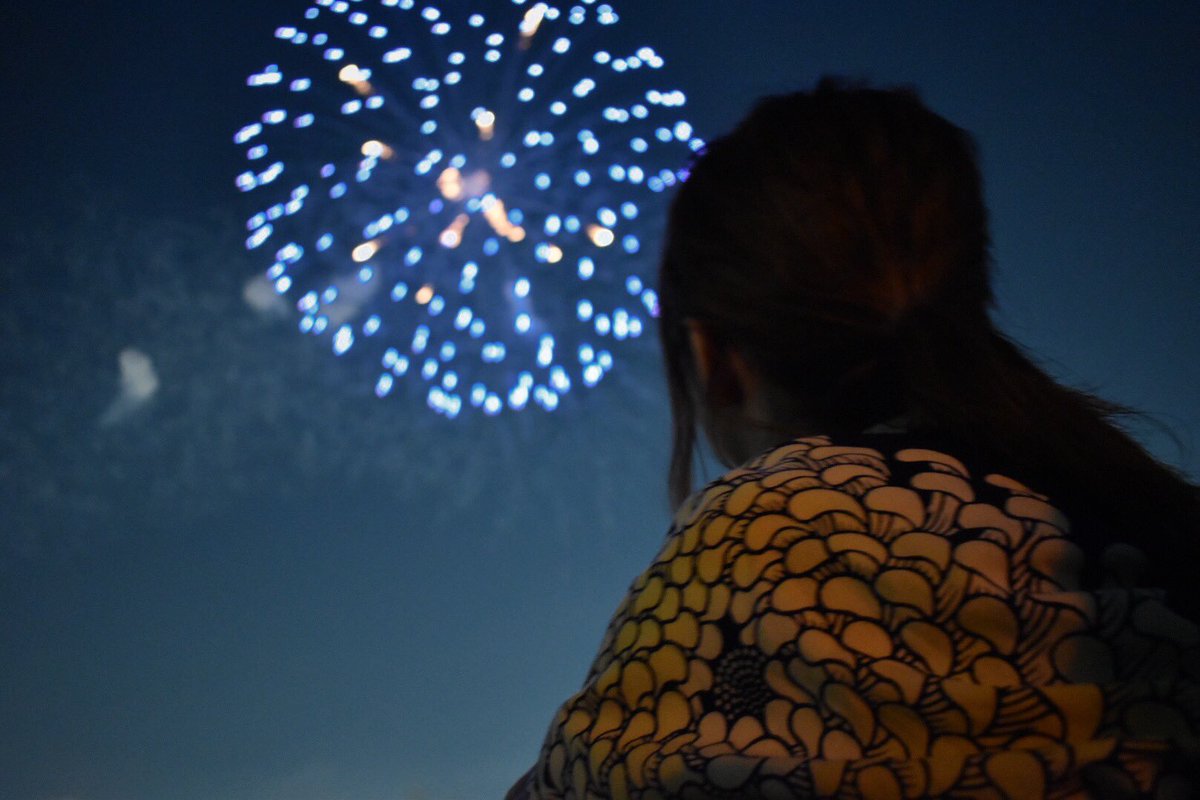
x: 828, y: 621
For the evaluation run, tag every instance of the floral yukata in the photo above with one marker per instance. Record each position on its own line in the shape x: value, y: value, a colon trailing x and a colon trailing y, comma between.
x: 876, y: 621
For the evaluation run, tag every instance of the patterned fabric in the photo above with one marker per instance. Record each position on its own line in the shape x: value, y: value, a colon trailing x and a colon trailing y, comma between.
x: 830, y: 621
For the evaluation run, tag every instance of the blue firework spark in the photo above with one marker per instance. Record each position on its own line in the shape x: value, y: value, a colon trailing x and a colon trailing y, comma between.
x: 464, y: 195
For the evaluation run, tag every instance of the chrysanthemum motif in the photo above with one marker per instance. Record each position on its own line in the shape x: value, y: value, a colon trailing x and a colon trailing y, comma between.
x: 739, y: 688
x: 815, y: 625
x: 466, y: 196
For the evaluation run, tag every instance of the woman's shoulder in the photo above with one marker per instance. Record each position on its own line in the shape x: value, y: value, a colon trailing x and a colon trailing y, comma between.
x: 872, y: 524
x: 880, y: 484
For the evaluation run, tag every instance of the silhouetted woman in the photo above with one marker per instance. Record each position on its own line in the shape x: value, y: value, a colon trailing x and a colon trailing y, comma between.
x: 932, y: 570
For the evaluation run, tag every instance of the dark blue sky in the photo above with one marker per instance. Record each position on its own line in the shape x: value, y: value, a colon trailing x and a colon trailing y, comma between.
x: 265, y: 584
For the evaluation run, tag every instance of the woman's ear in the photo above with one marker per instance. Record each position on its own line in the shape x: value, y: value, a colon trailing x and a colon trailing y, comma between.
x: 701, y: 344
x: 725, y: 378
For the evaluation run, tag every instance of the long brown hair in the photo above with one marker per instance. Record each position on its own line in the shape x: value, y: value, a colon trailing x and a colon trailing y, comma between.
x: 838, y: 239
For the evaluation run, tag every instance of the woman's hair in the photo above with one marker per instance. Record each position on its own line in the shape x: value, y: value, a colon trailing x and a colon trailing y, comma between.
x: 838, y: 240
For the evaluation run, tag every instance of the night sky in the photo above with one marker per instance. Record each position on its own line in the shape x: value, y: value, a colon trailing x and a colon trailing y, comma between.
x: 266, y: 583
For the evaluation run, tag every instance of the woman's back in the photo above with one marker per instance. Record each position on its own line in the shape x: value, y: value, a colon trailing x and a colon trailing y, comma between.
x: 873, y: 617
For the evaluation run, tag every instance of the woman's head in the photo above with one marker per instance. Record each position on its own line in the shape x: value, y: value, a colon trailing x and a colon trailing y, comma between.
x: 823, y: 240
x: 831, y: 255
